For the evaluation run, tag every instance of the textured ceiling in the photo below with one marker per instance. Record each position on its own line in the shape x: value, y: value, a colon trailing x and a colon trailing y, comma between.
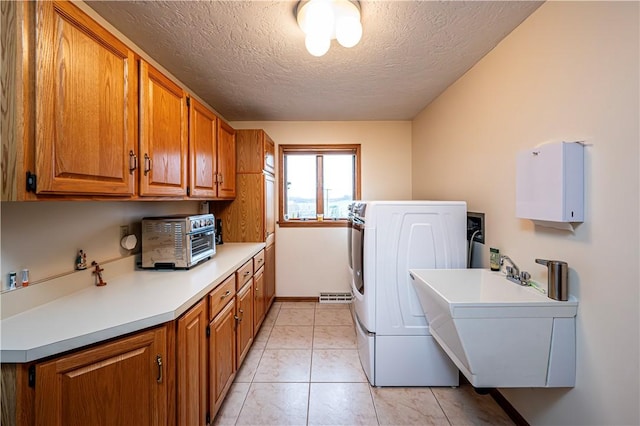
x: 248, y: 61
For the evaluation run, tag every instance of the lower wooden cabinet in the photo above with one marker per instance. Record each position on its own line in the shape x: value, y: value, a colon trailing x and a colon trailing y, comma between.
x: 269, y: 275
x: 244, y: 319
x: 123, y: 382
x: 191, y: 352
x: 177, y: 373
x: 258, y: 300
x: 222, y: 355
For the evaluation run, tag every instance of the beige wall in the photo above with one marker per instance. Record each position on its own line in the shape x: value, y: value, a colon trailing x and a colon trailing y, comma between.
x: 44, y: 237
x: 311, y: 260
x: 569, y: 72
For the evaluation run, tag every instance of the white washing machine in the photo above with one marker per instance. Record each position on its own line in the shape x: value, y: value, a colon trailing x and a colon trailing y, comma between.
x: 387, y: 238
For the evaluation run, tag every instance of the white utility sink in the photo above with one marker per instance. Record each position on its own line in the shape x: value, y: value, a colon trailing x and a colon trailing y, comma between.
x: 498, y: 333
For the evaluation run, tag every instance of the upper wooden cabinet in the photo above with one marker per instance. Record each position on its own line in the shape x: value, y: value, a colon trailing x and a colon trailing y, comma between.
x: 256, y: 151
x: 163, y: 134
x: 86, y: 118
x: 85, y: 113
x: 226, y: 160
x: 269, y: 183
x: 203, y: 150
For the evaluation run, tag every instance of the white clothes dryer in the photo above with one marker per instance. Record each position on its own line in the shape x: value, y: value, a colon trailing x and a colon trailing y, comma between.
x: 387, y: 238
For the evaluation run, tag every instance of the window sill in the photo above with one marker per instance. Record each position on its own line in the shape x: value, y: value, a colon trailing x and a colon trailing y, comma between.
x: 312, y: 223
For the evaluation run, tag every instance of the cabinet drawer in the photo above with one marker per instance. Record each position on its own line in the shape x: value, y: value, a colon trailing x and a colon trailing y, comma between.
x: 244, y: 273
x: 258, y: 260
x: 221, y: 295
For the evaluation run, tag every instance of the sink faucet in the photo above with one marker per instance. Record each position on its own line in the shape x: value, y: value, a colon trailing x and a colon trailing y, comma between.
x: 513, y: 272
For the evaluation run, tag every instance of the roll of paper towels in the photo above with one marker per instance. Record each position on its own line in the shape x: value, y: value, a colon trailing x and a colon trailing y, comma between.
x: 129, y: 242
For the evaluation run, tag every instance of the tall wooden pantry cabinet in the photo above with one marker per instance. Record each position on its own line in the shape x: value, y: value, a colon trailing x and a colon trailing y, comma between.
x: 251, y: 217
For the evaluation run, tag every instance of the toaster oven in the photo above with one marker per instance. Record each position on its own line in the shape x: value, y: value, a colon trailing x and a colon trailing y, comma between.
x: 177, y: 242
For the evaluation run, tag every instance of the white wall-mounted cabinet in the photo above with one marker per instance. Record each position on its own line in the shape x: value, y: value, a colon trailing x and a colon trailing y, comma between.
x: 550, y: 182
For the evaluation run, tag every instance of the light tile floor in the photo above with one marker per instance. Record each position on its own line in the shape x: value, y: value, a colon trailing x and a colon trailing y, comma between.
x: 303, y: 369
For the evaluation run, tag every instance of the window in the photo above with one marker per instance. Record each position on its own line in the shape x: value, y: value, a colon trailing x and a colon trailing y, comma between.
x: 317, y: 184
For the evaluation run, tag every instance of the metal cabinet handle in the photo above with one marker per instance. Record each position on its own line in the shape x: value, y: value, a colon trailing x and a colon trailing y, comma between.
x: 133, y: 162
x: 246, y: 273
x: 147, y: 164
x: 159, y: 362
x: 239, y: 318
x: 221, y: 178
x: 224, y: 296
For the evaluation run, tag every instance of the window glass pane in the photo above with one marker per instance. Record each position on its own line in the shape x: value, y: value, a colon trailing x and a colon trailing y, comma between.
x: 338, y: 185
x: 301, y: 186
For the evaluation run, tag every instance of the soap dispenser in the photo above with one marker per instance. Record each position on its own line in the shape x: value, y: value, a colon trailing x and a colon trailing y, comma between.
x: 557, y: 279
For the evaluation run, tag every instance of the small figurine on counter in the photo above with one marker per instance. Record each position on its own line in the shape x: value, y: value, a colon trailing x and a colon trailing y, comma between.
x: 81, y: 260
x: 98, y: 273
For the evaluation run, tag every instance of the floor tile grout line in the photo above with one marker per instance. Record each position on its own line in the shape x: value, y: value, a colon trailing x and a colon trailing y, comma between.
x: 440, y: 405
x: 373, y: 400
x: 254, y: 373
x: 309, y: 382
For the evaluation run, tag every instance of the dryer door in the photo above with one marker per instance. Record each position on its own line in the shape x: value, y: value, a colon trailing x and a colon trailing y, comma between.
x: 357, y: 246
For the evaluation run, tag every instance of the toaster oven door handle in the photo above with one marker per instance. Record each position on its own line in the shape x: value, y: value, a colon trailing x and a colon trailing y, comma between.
x: 195, y: 233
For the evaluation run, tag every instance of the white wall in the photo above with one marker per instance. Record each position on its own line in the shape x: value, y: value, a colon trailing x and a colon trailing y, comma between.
x: 311, y: 260
x: 569, y: 72
x: 45, y: 237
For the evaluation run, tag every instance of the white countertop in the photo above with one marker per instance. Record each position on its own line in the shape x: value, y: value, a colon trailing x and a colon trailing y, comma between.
x: 129, y: 302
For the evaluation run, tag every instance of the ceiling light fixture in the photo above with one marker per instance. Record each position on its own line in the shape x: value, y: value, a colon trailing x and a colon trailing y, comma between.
x: 324, y: 20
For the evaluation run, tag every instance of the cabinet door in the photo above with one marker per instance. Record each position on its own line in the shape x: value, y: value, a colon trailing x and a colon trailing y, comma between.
x: 222, y: 355
x: 118, y: 383
x: 85, y: 109
x: 192, y: 365
x: 163, y: 135
x: 269, y: 208
x: 259, y: 299
x: 226, y: 160
x: 244, y: 318
x: 203, y: 172
x: 269, y: 275
x: 269, y: 154
x: 256, y: 151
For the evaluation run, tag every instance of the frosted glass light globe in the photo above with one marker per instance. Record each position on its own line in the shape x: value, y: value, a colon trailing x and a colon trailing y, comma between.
x: 348, y: 30
x: 319, y: 18
x: 317, y: 45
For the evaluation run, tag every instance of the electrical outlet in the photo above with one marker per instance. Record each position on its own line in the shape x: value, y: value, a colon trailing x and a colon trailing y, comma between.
x: 124, y: 231
x: 475, y: 222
